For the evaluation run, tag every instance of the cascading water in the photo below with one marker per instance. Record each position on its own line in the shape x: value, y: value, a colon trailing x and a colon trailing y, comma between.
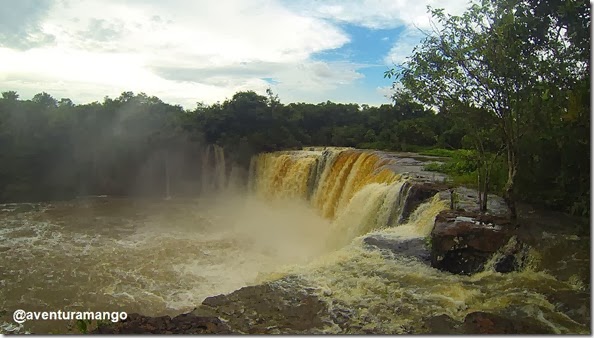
x: 205, y: 172
x: 214, y: 173
x: 382, y: 293
x: 305, y: 214
x: 354, y: 189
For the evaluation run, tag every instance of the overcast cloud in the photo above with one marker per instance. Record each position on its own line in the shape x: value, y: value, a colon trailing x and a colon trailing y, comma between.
x: 190, y: 51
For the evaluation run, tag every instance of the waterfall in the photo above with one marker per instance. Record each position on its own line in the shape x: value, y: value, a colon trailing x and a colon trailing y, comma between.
x: 167, y: 177
x: 282, y: 175
x: 220, y: 172
x: 205, y: 172
x: 357, y: 190
x: 214, y: 173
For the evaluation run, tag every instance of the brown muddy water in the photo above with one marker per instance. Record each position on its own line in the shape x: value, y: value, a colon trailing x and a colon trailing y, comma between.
x: 154, y: 257
x: 160, y: 257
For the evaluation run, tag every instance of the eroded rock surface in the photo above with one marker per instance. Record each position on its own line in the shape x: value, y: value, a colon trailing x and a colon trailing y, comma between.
x: 489, y: 323
x: 186, y: 323
x: 410, y: 247
x: 485, y: 323
x: 268, y: 309
x: 463, y: 242
x: 418, y: 193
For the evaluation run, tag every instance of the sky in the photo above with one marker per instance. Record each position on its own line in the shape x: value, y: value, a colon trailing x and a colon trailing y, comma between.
x: 189, y: 51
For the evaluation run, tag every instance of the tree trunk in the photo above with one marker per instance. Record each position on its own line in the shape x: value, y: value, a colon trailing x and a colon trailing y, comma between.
x: 486, y: 189
x: 452, y: 202
x: 512, y: 170
x: 479, y: 185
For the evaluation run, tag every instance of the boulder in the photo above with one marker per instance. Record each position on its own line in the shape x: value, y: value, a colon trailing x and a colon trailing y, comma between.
x: 416, y: 195
x: 268, y: 308
x: 480, y: 322
x: 489, y: 323
x: 462, y: 242
x: 410, y: 247
x: 441, y: 324
x: 186, y: 323
x: 512, y: 256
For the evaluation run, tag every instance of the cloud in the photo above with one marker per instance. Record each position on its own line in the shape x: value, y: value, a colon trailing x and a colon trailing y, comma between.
x: 403, y: 46
x: 20, y: 24
x: 286, y: 79
x: 240, y: 70
x: 376, y: 14
x: 186, y: 51
x: 411, y: 16
x: 386, y: 91
x: 194, y: 33
x: 317, y: 75
x: 103, y: 30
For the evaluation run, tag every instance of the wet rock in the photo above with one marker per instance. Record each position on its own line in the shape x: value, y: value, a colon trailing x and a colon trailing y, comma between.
x: 412, y: 247
x: 463, y: 242
x: 417, y: 194
x: 268, y: 309
x: 467, y: 199
x: 441, y: 324
x: 512, y: 256
x: 489, y: 323
x: 17, y: 208
x: 507, y: 264
x: 485, y: 323
x: 575, y: 304
x: 186, y: 323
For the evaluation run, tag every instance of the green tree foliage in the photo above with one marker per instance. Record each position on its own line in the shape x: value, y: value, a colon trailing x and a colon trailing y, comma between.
x: 524, y: 63
x: 508, y: 77
x: 263, y: 123
x: 54, y: 149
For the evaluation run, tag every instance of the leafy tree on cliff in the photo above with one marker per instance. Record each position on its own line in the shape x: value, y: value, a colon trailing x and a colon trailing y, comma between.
x: 492, y: 59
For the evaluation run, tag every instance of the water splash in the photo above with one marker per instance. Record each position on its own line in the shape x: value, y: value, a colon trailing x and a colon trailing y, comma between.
x: 165, y: 258
x: 355, y: 189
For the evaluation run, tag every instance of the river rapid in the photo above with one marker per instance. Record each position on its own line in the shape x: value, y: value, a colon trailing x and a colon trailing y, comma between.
x: 155, y: 257
x: 300, y: 226
x: 160, y: 257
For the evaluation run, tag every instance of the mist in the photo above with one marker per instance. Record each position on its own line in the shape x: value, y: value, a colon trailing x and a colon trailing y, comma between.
x: 138, y: 146
x: 128, y: 146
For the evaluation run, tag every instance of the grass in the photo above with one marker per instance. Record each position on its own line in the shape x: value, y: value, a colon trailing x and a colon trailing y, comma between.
x: 461, y: 167
x: 435, y: 166
x: 440, y: 152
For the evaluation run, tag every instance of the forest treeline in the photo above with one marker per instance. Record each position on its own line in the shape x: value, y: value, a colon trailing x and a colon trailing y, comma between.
x: 505, y: 87
x: 55, y: 149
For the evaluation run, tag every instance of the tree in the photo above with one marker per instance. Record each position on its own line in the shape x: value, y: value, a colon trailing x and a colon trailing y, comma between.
x: 490, y: 59
x: 45, y: 100
x: 10, y: 95
x: 65, y: 102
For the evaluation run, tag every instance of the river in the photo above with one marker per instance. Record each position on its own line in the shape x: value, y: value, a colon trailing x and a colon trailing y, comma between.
x: 163, y: 257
